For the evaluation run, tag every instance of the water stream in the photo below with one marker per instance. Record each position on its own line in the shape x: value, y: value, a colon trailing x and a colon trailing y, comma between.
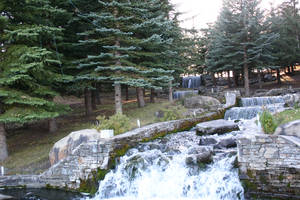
x: 159, y: 171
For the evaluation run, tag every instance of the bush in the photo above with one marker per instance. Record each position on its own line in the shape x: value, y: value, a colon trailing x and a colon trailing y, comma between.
x: 268, y: 122
x: 118, y: 122
x: 170, y: 115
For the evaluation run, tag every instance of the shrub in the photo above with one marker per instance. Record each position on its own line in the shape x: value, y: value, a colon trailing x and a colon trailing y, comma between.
x: 118, y: 122
x: 268, y: 122
x: 170, y: 115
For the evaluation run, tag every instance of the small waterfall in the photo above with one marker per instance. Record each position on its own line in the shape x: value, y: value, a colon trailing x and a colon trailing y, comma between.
x: 191, y: 82
x: 251, y: 107
x: 182, y: 94
x: 261, y: 101
x: 158, y: 170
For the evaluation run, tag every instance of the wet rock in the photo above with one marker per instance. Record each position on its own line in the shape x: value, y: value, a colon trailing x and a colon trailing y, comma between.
x: 65, y: 146
x: 207, y: 141
x: 199, y: 155
x: 202, y: 102
x: 216, y: 126
x: 226, y: 143
x: 290, y: 129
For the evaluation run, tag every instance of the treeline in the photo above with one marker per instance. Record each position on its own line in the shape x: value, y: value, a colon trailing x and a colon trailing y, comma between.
x: 54, y: 47
x: 248, y: 40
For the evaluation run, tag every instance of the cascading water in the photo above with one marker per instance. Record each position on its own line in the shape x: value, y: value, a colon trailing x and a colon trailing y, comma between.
x: 191, y: 82
x: 159, y: 170
x: 251, y: 107
x: 182, y: 94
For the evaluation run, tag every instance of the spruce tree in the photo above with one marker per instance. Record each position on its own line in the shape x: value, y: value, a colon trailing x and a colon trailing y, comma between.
x: 30, y: 69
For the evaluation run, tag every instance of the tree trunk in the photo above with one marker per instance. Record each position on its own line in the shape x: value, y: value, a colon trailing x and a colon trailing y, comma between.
x: 259, y: 79
x: 170, y: 92
x: 98, y: 91
x: 126, y: 93
x: 3, y: 145
x: 235, y: 78
x: 140, y: 95
x: 289, y: 69
x: 292, y: 69
x: 152, y: 100
x: 229, y: 81
x: 278, y: 76
x: 52, y: 125
x: 213, y: 79
x: 88, y: 102
x: 94, y: 100
x: 118, y: 98
x: 246, y: 74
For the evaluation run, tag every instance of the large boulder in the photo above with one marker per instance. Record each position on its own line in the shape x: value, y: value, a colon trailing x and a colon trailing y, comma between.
x: 65, y: 146
x: 290, y: 129
x: 202, y: 102
x: 226, y: 143
x: 219, y: 126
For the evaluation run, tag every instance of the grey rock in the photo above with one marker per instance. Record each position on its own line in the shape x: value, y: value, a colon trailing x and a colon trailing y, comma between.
x: 207, y: 141
x: 226, y: 143
x: 291, y: 129
x: 65, y: 146
x: 216, y: 126
x: 279, y: 91
x: 202, y: 102
x: 159, y: 114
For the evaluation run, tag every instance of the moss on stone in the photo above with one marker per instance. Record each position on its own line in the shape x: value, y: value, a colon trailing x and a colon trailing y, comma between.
x: 281, y: 177
x: 249, y: 186
x: 250, y: 173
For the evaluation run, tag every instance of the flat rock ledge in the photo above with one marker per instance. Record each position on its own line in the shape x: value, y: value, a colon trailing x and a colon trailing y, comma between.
x: 72, y: 172
x: 219, y: 126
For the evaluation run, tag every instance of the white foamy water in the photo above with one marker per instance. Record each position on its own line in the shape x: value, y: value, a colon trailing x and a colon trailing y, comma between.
x: 158, y: 171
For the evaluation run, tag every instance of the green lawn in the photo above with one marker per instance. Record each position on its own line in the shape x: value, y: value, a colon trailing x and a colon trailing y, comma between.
x: 287, y: 116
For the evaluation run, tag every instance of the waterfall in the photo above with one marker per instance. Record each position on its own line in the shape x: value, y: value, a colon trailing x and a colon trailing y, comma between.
x: 182, y: 94
x: 158, y: 170
x: 191, y: 82
x: 252, y: 106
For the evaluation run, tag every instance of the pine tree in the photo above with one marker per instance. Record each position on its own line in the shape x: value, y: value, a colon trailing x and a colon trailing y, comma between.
x: 30, y: 69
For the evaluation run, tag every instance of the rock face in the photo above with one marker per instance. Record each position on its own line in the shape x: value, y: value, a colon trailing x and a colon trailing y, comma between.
x: 291, y: 129
x: 202, y: 102
x: 65, y: 146
x: 216, y: 126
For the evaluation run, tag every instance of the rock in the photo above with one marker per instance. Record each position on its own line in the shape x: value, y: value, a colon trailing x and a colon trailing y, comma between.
x: 5, y: 197
x: 202, y: 102
x: 292, y: 99
x: 279, y: 91
x: 291, y: 129
x: 199, y: 155
x: 194, y: 112
x: 216, y: 126
x: 226, y: 143
x: 207, y: 141
x: 65, y: 146
x: 230, y: 97
x: 268, y: 78
x: 159, y: 114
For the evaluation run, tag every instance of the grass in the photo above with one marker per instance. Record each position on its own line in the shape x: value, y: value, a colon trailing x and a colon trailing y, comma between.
x: 284, y: 117
x: 29, y: 148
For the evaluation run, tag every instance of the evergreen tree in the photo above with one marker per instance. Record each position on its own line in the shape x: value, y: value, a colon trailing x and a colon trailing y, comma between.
x: 30, y: 69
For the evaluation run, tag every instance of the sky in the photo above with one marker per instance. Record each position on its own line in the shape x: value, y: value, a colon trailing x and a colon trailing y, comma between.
x: 197, y: 13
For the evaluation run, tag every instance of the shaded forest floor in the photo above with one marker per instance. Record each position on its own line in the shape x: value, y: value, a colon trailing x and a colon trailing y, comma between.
x: 29, y: 146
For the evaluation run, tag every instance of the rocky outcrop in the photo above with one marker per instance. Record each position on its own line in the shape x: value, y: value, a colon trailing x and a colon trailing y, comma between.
x: 202, y: 102
x: 291, y: 129
x: 65, y: 146
x: 216, y: 126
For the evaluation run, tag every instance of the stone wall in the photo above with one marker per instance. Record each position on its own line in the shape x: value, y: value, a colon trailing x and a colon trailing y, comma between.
x: 270, y: 165
x: 90, y: 160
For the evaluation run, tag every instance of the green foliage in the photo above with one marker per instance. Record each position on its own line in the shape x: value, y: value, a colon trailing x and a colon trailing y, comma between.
x: 171, y: 115
x: 268, y: 122
x: 118, y: 122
